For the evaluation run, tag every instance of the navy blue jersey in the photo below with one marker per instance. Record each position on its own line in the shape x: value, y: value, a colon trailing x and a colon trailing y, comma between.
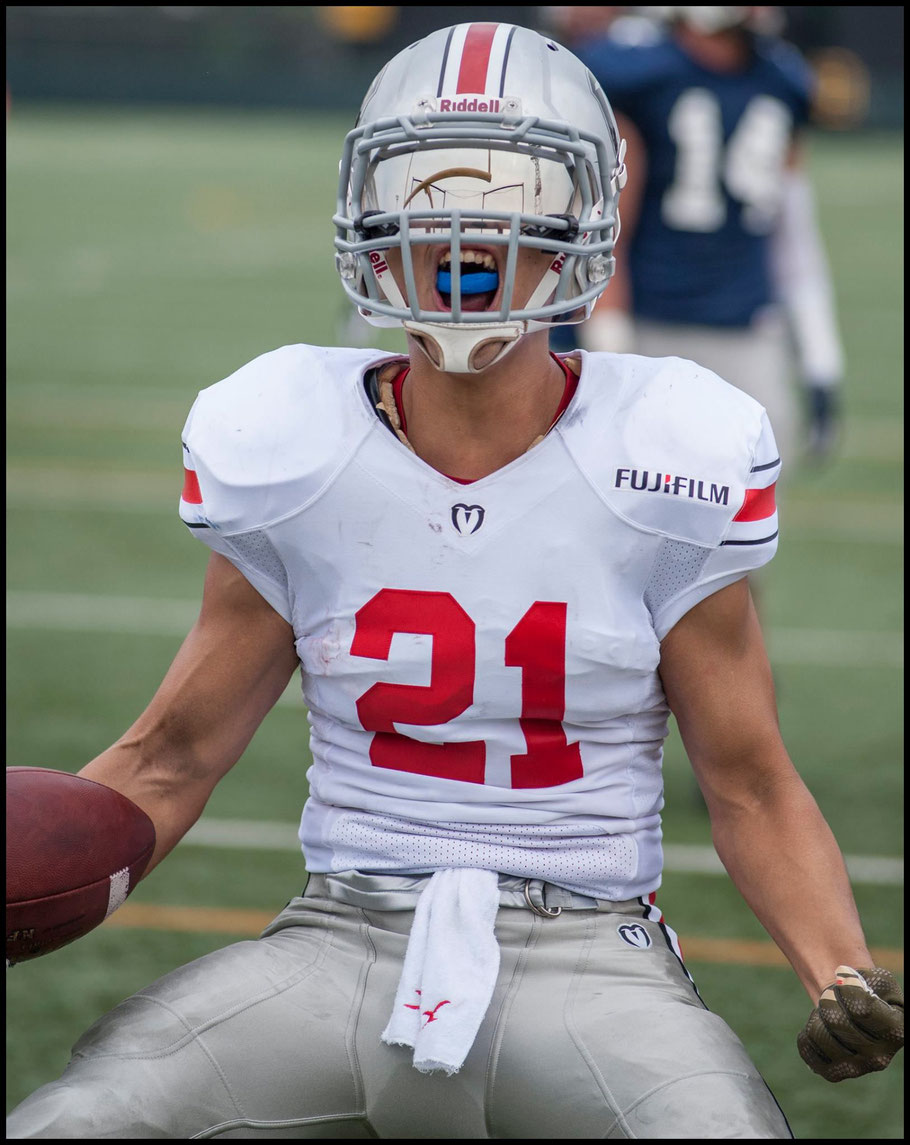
x: 717, y: 144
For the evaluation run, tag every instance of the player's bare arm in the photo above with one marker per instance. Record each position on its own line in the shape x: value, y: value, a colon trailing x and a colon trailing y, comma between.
x: 231, y: 668
x: 771, y: 835
x: 766, y: 825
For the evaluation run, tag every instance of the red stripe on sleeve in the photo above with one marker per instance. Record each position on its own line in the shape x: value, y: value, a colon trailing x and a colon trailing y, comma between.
x: 191, y: 491
x: 475, y: 58
x: 758, y: 505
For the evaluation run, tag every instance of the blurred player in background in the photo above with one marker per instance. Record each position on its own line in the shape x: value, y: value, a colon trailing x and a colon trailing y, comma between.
x: 497, y: 571
x: 721, y: 259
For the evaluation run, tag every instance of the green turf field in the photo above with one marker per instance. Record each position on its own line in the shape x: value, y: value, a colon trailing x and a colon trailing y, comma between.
x: 152, y: 254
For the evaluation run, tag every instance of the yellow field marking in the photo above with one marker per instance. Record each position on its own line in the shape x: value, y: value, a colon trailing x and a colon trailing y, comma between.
x: 217, y: 920
x: 191, y: 919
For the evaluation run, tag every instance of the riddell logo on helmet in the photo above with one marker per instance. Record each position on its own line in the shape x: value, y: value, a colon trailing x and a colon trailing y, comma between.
x: 470, y: 105
x: 642, y: 480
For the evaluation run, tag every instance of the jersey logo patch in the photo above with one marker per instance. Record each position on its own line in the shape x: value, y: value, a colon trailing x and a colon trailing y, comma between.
x: 634, y: 935
x: 467, y: 519
x: 644, y: 481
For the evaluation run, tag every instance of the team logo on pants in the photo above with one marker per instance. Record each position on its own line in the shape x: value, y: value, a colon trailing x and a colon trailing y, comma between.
x: 635, y: 935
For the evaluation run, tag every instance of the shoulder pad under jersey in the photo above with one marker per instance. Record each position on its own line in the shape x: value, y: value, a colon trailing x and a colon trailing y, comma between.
x: 670, y: 447
x: 265, y: 441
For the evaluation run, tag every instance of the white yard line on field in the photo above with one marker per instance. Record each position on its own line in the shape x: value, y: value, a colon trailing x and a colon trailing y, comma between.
x: 878, y: 870
x: 87, y: 612
x: 835, y: 648
x: 58, y: 488
x: 683, y: 858
x: 866, y: 520
x: 149, y: 616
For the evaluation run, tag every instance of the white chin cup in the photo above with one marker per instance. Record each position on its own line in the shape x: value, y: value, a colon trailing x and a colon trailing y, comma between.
x: 452, y: 349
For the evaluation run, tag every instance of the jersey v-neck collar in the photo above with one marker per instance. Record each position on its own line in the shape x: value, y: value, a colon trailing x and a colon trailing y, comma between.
x: 397, y: 385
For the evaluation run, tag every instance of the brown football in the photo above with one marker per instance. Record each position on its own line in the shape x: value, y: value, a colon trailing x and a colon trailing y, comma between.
x: 74, y: 850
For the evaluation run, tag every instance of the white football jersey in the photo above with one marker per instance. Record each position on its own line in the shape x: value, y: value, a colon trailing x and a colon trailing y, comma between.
x: 479, y: 662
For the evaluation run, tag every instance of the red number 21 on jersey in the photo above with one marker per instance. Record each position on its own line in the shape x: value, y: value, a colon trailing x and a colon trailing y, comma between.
x: 536, y: 645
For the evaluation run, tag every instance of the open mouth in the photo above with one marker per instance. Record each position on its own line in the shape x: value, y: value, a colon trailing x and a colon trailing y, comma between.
x: 479, y: 279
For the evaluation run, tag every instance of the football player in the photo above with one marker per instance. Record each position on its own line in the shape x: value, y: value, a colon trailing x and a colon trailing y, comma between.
x: 498, y: 572
x: 721, y: 260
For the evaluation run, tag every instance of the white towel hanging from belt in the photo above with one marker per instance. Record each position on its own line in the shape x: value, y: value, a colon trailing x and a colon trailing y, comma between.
x: 450, y: 969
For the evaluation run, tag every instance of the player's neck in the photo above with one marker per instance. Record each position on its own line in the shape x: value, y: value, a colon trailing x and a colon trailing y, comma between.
x: 469, y: 426
x: 728, y: 51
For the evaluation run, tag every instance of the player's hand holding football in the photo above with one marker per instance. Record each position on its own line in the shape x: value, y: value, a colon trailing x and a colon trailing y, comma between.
x: 857, y: 1026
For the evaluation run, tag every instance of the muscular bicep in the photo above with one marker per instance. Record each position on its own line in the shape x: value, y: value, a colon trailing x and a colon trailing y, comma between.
x: 718, y: 683
x: 232, y: 667
x: 230, y: 670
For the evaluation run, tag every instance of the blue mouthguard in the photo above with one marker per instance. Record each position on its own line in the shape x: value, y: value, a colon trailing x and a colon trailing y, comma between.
x: 477, y: 282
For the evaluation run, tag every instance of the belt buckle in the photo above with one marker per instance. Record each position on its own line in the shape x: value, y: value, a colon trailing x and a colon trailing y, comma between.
x: 540, y: 908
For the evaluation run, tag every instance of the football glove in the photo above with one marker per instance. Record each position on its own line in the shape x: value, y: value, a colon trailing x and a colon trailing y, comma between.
x: 857, y: 1026
x: 823, y: 420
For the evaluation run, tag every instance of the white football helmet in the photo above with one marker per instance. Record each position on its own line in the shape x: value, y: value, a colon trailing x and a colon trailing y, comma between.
x: 480, y: 140
x: 713, y: 18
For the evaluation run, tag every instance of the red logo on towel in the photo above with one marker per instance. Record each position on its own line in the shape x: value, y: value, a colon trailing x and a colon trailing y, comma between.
x: 430, y: 1014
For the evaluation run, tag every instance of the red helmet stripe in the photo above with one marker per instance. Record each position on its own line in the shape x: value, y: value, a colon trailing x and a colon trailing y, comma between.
x: 475, y: 58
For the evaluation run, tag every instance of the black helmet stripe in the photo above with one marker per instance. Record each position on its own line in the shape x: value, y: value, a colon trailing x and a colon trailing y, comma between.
x: 445, y: 60
x: 505, y: 63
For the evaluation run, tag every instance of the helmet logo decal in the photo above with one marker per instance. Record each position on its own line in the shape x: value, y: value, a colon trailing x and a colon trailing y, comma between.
x: 467, y: 519
x: 475, y: 104
x: 449, y: 173
x: 380, y: 266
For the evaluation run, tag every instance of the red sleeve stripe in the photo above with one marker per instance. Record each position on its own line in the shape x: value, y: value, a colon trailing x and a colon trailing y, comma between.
x: 191, y: 492
x: 475, y: 58
x: 758, y: 505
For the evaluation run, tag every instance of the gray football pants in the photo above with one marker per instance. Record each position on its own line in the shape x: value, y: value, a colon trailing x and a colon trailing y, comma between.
x: 591, y: 1033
